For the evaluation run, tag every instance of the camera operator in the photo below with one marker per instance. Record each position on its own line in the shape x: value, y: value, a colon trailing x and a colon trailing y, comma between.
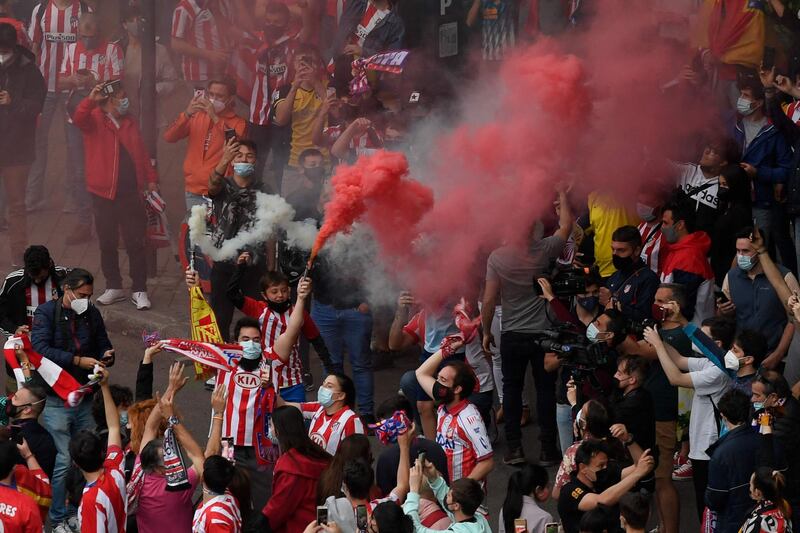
x: 632, y: 287
x: 511, y: 271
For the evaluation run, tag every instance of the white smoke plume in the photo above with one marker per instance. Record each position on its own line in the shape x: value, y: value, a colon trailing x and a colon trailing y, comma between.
x: 273, y: 214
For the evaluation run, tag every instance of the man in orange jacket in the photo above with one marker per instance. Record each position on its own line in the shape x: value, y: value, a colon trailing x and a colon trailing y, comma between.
x: 206, y: 122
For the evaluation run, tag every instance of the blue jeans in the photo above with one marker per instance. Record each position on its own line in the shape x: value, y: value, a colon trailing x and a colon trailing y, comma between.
x: 564, y: 424
x: 35, y: 196
x: 63, y: 423
x: 294, y: 394
x: 352, y: 329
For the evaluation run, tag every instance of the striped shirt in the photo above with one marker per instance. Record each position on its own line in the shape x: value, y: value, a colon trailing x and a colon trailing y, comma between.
x: 244, y: 393
x: 104, y: 506
x: 220, y: 513
x: 273, y: 324
x: 330, y: 430
x: 371, y: 18
x: 36, y: 485
x: 105, y: 61
x: 654, y: 245
x: 36, y: 295
x: 52, y: 29
x: 462, y: 435
x: 199, y: 28
x: 273, y: 69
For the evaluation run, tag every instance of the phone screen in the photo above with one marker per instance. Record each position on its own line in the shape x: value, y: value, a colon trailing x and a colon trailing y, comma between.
x: 361, y: 517
x: 551, y: 527
x: 322, y: 514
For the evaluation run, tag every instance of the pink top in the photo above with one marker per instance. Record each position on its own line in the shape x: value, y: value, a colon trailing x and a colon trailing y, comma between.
x: 161, y: 511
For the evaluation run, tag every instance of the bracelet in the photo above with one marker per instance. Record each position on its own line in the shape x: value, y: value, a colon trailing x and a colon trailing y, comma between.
x: 216, y: 417
x: 629, y: 442
x: 173, y: 421
x: 79, y: 361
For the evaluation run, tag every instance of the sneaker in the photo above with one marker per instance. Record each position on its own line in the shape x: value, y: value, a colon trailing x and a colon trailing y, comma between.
x: 550, y: 458
x: 81, y: 233
x: 684, y: 471
x: 515, y: 456
x: 211, y: 383
x: 111, y: 296
x: 62, y: 527
x: 308, y: 381
x: 140, y: 300
x: 74, y: 523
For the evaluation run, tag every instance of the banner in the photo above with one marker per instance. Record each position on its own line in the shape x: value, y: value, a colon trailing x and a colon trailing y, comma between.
x: 204, y: 324
x: 223, y: 357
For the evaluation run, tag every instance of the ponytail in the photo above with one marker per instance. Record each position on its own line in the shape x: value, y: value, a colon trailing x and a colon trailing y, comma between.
x: 771, y: 483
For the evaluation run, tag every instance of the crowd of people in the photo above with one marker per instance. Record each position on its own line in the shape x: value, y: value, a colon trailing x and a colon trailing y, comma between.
x: 661, y: 331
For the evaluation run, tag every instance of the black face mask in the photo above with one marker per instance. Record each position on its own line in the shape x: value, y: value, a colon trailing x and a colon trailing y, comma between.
x: 601, y: 478
x: 272, y: 32
x: 279, y: 307
x: 724, y: 194
x: 442, y: 394
x: 12, y: 410
x: 622, y: 263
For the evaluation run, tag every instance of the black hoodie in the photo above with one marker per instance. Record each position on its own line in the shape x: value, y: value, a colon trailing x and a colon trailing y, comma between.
x: 25, y: 84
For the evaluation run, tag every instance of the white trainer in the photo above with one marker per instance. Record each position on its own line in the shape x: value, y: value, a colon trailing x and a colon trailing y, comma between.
x: 111, y: 296
x: 140, y: 300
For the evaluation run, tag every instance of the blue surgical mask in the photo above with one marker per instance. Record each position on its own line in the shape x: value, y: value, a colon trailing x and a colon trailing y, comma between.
x: 645, y: 212
x: 325, y: 397
x: 745, y: 262
x: 670, y: 233
x: 723, y: 429
x: 244, y: 169
x: 251, y: 349
x: 123, y: 106
x: 123, y: 419
x: 744, y: 106
x: 592, y: 332
x: 758, y: 406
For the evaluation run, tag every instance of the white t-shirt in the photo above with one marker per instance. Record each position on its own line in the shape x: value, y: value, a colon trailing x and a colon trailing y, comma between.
x: 710, y: 383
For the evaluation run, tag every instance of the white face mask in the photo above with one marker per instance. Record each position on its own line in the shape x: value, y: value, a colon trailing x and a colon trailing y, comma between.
x: 744, y: 106
x: 219, y: 105
x: 79, y: 305
x: 731, y: 361
x: 6, y: 58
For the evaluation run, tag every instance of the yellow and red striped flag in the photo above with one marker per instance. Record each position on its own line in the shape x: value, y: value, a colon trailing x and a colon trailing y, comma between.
x: 204, y: 326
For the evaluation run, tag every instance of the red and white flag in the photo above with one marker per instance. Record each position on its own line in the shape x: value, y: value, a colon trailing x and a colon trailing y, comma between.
x: 63, y: 384
x: 223, y: 357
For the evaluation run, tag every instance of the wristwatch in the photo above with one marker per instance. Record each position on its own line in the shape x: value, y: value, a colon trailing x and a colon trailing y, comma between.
x: 629, y: 442
x: 173, y: 421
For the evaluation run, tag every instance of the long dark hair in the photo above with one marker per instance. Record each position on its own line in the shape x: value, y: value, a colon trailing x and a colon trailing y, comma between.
x: 523, y: 482
x: 770, y: 483
x: 292, y: 433
x: 355, y: 446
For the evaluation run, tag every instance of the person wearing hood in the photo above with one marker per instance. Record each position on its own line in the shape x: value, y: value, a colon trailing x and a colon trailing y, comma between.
x: 294, y: 485
x: 461, y: 500
x: 22, y: 93
x: 735, y: 213
x: 754, y: 301
x: 687, y: 263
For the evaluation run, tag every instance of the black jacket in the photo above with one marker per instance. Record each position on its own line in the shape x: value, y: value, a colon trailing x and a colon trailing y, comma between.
x: 781, y: 449
x: 25, y: 84
x: 59, y: 334
x: 733, y: 460
x: 39, y: 441
x: 13, y: 299
x: 386, y: 35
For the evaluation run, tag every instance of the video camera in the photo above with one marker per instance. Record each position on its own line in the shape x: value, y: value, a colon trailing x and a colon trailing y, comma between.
x: 572, y: 347
x: 637, y: 327
x: 566, y: 282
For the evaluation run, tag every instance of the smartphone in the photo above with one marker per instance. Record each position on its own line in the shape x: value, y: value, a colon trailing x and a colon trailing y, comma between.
x: 361, y: 517
x: 520, y: 525
x: 229, y: 134
x: 112, y: 87
x: 199, y: 93
x: 551, y: 527
x: 322, y: 514
x: 421, y: 458
x: 768, y: 61
x: 721, y: 296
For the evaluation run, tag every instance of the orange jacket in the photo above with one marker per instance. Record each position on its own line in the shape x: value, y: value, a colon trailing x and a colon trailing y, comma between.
x: 201, y: 159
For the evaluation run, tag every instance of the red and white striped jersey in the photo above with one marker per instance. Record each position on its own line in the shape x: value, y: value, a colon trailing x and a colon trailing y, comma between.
x: 105, y: 61
x: 372, y: 16
x: 654, y: 245
x: 273, y: 71
x: 330, y: 430
x: 198, y: 26
x: 244, y: 392
x: 462, y: 435
x: 52, y: 29
x: 272, y: 325
x: 219, y: 514
x: 36, y: 295
x: 334, y: 8
x: 104, y: 505
x: 793, y: 111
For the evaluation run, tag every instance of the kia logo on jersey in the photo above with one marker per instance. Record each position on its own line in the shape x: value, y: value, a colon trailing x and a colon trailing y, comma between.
x: 247, y: 380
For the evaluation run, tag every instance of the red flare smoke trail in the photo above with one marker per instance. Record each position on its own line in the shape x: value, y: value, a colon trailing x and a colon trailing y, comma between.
x: 377, y: 188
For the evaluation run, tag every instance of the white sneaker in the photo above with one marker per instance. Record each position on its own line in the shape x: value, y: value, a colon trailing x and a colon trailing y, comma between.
x: 62, y: 527
x: 74, y: 523
x: 140, y: 300
x: 111, y: 296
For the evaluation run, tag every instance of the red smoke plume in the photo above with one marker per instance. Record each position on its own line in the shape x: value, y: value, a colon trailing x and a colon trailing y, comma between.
x: 377, y: 189
x: 587, y: 108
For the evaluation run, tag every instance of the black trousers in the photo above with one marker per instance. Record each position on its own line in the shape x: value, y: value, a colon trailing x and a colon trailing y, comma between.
x: 700, y: 480
x: 516, y: 351
x: 221, y: 274
x: 126, y: 211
